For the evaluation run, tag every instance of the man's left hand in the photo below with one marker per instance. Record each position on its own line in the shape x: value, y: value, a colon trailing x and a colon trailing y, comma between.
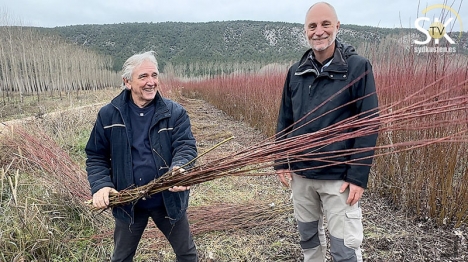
x: 355, y: 192
x: 178, y: 170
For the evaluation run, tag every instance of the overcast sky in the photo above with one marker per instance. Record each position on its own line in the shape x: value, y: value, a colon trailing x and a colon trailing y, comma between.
x: 51, y: 13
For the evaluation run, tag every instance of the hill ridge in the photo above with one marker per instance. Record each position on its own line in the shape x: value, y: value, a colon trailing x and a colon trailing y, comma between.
x: 217, y: 42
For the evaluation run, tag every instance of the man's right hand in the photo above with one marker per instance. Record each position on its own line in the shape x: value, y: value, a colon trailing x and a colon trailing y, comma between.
x: 284, y: 176
x: 101, y: 197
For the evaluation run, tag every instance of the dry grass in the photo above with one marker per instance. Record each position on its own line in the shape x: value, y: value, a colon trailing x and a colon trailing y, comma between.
x: 32, y: 107
x: 38, y: 224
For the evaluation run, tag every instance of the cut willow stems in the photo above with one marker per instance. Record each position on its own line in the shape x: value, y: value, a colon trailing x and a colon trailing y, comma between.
x: 227, y: 216
x: 406, y: 115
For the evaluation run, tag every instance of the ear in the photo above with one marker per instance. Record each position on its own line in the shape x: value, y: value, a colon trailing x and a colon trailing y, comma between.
x: 127, y: 83
x: 338, y: 25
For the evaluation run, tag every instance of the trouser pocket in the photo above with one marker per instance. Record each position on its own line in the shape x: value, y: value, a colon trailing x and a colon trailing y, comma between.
x: 353, y: 230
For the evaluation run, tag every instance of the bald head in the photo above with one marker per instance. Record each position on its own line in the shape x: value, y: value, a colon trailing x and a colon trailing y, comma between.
x: 319, y: 6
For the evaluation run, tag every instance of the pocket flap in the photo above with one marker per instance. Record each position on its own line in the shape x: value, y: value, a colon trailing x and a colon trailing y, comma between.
x: 357, y: 214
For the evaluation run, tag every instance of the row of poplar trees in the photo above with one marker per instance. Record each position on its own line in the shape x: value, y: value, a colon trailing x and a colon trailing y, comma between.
x: 35, y: 63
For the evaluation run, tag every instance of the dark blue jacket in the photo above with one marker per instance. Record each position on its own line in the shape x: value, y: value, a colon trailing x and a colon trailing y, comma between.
x: 306, y: 89
x: 109, y: 158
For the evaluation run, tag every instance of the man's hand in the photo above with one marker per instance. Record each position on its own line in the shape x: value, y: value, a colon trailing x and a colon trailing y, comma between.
x: 178, y: 170
x: 355, y: 193
x: 101, y: 197
x: 284, y: 176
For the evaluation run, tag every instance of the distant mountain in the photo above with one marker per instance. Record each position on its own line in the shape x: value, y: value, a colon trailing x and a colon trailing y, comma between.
x: 213, y: 42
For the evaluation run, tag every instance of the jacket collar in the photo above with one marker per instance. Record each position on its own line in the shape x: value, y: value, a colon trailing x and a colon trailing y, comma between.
x: 338, y: 63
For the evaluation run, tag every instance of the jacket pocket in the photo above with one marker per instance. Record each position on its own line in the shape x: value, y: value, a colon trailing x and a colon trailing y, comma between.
x: 353, y: 229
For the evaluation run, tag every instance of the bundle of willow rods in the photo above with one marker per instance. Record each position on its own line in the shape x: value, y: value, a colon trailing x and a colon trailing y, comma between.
x: 219, y: 217
x: 404, y: 115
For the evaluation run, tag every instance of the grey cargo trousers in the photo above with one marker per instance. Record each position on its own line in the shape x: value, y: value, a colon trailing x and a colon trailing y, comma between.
x: 313, y: 199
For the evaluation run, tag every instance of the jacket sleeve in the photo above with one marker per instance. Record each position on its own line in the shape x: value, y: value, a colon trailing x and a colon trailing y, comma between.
x: 285, y: 116
x: 184, y: 147
x: 358, y: 171
x: 98, y: 165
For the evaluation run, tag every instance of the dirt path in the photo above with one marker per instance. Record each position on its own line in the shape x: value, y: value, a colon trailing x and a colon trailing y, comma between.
x: 390, y: 235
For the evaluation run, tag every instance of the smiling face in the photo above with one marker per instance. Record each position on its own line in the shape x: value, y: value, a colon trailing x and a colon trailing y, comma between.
x: 143, y: 83
x: 321, y: 27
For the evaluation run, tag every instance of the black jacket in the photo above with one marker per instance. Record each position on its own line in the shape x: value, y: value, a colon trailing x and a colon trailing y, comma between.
x: 306, y: 89
x: 109, y: 161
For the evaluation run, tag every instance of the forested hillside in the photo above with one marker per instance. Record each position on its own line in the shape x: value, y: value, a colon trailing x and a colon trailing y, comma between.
x: 212, y: 42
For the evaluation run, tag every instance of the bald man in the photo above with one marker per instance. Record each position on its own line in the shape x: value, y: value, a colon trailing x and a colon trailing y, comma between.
x: 331, y: 188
